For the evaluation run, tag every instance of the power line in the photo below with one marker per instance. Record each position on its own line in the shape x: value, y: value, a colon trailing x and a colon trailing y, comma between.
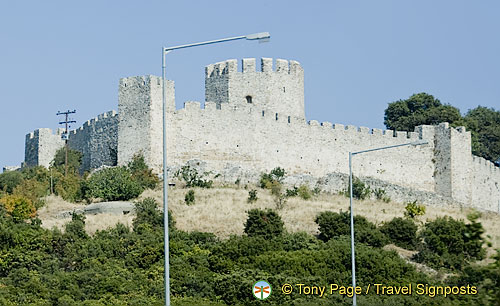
x: 65, y: 135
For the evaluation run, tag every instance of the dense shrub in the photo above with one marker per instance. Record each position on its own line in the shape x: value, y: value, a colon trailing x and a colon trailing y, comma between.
x: 9, y: 180
x: 450, y: 243
x: 69, y: 187
x: 360, y: 191
x: 19, y: 207
x: 304, y: 192
x: 414, y: 210
x: 401, y: 232
x: 189, y: 197
x: 113, y: 184
x: 276, y: 175
x: 74, y: 161
x: 34, y: 190
x: 332, y: 225
x: 141, y: 173
x: 252, y: 196
x: 265, y: 223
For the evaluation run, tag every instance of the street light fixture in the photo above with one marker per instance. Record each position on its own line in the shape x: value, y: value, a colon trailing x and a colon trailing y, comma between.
x: 351, y: 154
x: 261, y: 37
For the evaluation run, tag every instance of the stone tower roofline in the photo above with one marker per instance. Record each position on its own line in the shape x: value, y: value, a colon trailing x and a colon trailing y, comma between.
x: 248, y: 65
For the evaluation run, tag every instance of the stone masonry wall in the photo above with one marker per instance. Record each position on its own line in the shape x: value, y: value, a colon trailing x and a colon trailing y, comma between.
x: 97, y: 139
x: 280, y: 90
x: 41, y: 146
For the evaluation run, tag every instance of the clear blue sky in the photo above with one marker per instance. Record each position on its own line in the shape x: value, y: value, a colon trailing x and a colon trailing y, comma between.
x: 357, y: 55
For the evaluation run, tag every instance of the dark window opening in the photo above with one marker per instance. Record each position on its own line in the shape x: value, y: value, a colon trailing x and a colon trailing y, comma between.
x: 284, y: 89
x: 276, y: 116
x: 288, y: 119
x: 262, y: 113
x: 249, y: 99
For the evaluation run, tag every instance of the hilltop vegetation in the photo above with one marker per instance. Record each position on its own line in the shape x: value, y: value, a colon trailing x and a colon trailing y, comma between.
x: 124, y: 265
x: 422, y: 108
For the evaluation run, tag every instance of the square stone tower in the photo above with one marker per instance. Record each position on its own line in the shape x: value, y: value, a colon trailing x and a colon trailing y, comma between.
x: 278, y: 91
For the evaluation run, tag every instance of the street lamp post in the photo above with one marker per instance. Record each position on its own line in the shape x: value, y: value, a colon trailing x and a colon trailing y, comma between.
x: 261, y: 37
x: 351, y: 154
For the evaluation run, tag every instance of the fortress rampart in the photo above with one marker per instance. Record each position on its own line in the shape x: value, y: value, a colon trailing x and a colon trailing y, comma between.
x: 254, y: 121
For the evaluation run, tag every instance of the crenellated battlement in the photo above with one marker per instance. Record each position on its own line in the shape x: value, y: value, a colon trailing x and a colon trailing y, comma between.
x: 230, y: 67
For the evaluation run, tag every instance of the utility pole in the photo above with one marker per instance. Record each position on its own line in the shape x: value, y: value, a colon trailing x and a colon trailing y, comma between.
x: 65, y: 136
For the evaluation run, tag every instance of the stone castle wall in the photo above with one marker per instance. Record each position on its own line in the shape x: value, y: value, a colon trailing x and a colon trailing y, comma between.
x: 97, y: 139
x: 254, y: 121
x: 41, y: 146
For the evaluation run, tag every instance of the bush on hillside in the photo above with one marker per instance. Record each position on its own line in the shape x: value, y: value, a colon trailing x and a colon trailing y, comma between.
x: 9, y: 180
x: 450, y: 243
x: 69, y: 187
x: 74, y: 161
x: 360, y: 190
x: 401, y: 232
x: 189, y: 197
x: 276, y: 175
x: 265, y: 223
x: 333, y: 225
x: 19, y: 207
x: 193, y: 178
x: 141, y: 173
x: 34, y: 190
x: 414, y: 210
x: 113, y: 184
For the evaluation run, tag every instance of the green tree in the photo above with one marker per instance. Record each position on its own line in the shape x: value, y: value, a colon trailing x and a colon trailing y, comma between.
x: 484, y: 124
x: 113, y: 184
x: 421, y: 108
x: 74, y: 160
x: 142, y: 173
x: 9, y: 180
x: 265, y: 223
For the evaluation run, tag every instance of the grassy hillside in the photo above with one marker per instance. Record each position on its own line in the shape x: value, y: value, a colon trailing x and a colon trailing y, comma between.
x: 222, y: 211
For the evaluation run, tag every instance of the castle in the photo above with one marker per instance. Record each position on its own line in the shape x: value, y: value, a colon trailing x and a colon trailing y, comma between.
x: 253, y: 121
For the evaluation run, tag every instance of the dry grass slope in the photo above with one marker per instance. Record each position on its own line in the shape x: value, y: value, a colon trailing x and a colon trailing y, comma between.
x: 222, y: 211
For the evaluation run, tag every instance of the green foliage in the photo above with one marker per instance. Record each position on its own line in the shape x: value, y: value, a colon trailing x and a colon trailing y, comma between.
x: 484, y: 124
x: 414, y: 210
x: 267, y: 180
x: 9, y: 180
x: 292, y: 192
x: 421, y: 108
x: 19, y: 207
x: 141, y: 173
x: 451, y: 243
x: 113, y: 184
x: 193, y: 178
x: 69, y: 187
x: 304, y: 192
x: 147, y: 212
x: 33, y: 189
x: 381, y: 195
x: 360, y: 190
x: 333, y: 225
x: 264, y: 223
x: 74, y: 160
x: 252, y: 196
x: 401, y: 232
x: 189, y: 197
x: 118, y: 266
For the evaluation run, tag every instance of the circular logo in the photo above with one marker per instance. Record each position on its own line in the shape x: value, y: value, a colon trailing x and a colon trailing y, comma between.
x: 261, y: 290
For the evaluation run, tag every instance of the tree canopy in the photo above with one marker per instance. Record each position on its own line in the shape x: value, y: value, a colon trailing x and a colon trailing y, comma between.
x: 423, y: 108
